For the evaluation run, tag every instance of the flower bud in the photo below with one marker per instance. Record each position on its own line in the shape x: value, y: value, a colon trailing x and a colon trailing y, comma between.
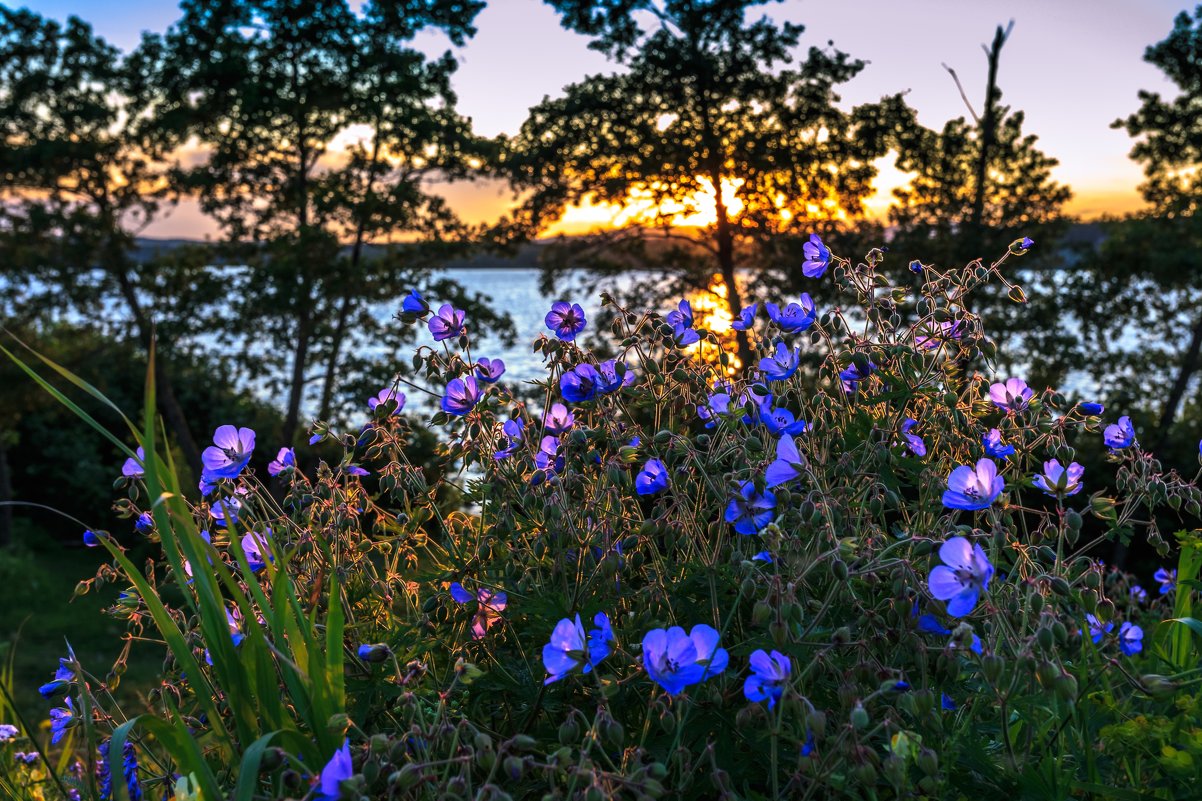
x: 992, y: 666
x: 374, y: 652
x: 859, y: 717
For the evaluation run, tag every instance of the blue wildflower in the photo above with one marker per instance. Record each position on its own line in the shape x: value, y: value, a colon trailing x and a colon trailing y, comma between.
x: 746, y: 317
x: 854, y: 374
x: 462, y: 395
x: 1092, y: 409
x: 8, y: 732
x: 1167, y: 580
x: 674, y: 660
x: 414, y: 303
x: 769, y: 675
x: 972, y: 489
x: 914, y: 442
x: 566, y: 320
x: 133, y: 467
x: 1138, y: 594
x: 929, y: 624
x: 653, y: 478
x: 1131, y: 639
x: 795, y: 317
x: 374, y: 652
x: 1119, y: 435
x: 490, y: 370
x: 994, y: 446
x: 569, y: 649
x: 91, y: 538
x: 787, y: 466
x: 751, y: 510
x: 387, y: 398
x: 1060, y: 481
x: 962, y: 577
x: 284, y: 460
x: 779, y: 420
x: 609, y: 380
x: 817, y: 257
x: 559, y: 420
x: 782, y: 364
x: 63, y: 676
x: 681, y: 321
x: 489, y: 606
x: 946, y: 703
x: 763, y: 556
x: 257, y: 549
x: 580, y: 384
x: 514, y: 431
x: 1013, y: 394
x: 1097, y: 629
x: 62, y: 719
x: 337, y: 770
x: 447, y: 323
x: 230, y: 452
x: 144, y: 524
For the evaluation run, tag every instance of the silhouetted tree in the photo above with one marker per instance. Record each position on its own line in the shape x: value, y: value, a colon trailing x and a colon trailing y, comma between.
x: 708, y: 115
x: 1162, y: 252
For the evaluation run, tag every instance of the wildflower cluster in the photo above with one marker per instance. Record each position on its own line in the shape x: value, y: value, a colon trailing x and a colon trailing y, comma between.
x: 852, y: 570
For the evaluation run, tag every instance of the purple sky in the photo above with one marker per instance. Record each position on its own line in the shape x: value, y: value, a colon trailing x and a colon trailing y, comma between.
x: 1072, y: 65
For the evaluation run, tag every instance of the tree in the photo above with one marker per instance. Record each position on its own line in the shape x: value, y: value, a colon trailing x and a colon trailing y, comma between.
x: 709, y: 109
x: 78, y: 179
x: 977, y: 187
x: 266, y: 87
x: 1169, y: 134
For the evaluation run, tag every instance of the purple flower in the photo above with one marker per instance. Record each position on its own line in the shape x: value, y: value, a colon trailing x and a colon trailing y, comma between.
x: 718, y: 404
x: 374, y: 652
x: 447, y: 323
x: 1120, y: 435
x: 569, y: 649
x: 257, y: 550
x: 746, y: 317
x: 580, y: 384
x: 225, y: 510
x: 769, y: 675
x: 652, y: 478
x: 489, y: 606
x: 972, y: 489
x: 514, y: 431
x: 91, y: 538
x: 559, y: 420
x: 782, y: 364
x: 414, y: 303
x: 962, y: 577
x: 490, y: 370
x: 1131, y: 639
x: 674, y: 660
x: 854, y: 374
x: 931, y: 335
x: 8, y: 732
x: 914, y: 442
x: 63, y: 676
x: 387, y: 396
x: 787, y: 466
x: 1138, y: 594
x: 1097, y: 629
x: 817, y: 257
x: 62, y: 719
x: 794, y: 317
x: 134, y: 467
x: 929, y: 624
x: 548, y: 459
x: 780, y: 421
x: 750, y: 510
x: 230, y: 452
x: 1060, y: 481
x: 915, y: 267
x: 1013, y: 395
x: 284, y: 460
x: 144, y: 524
x: 994, y: 446
x: 1092, y: 409
x: 462, y: 395
x: 609, y: 379
x: 336, y: 771
x: 1167, y: 580
x: 681, y: 321
x: 566, y: 320
x: 356, y: 470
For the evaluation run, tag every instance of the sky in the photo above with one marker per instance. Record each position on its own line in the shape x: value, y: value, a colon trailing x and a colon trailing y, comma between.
x: 1073, y: 67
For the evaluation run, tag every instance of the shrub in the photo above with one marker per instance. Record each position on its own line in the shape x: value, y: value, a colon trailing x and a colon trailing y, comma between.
x: 850, y: 569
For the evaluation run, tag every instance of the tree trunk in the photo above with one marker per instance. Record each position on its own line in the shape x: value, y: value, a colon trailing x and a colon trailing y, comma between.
x: 297, y: 387
x: 167, y: 402
x: 1189, y: 366
x: 6, y: 495
x: 726, y: 262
